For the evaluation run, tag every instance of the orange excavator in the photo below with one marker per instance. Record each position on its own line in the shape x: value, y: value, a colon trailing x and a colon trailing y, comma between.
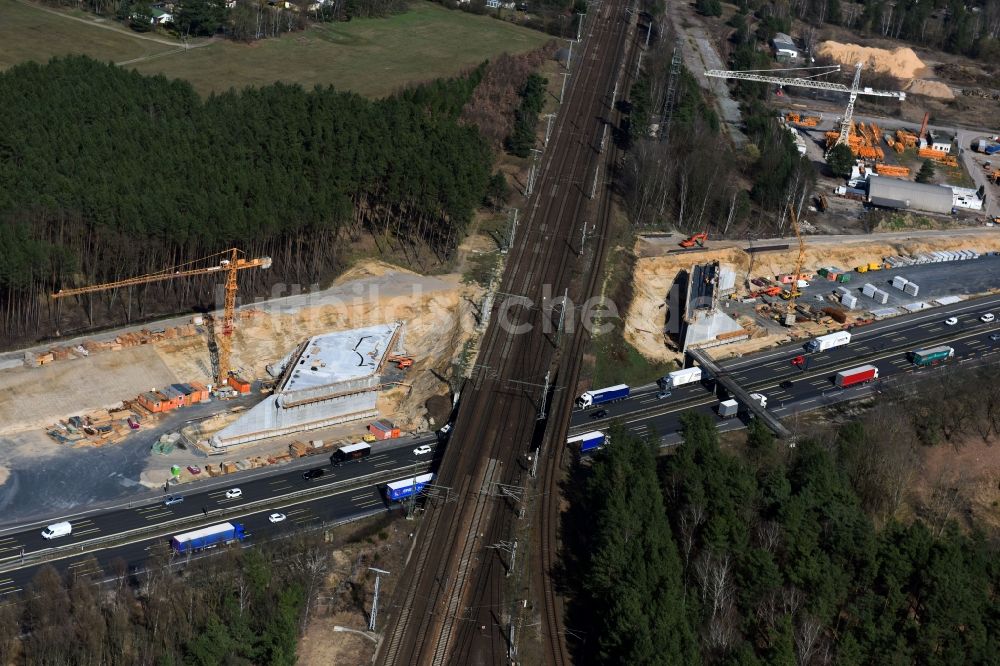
x: 695, y: 239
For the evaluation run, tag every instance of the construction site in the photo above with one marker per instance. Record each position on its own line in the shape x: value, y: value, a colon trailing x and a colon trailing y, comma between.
x: 784, y: 289
x: 369, y: 358
x: 889, y: 171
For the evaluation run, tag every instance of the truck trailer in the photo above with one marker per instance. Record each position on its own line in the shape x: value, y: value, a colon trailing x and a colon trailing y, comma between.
x: 680, y: 377
x: 728, y: 408
x: 400, y: 490
x: 207, y: 537
x: 824, y: 342
x: 350, y: 452
x: 859, y: 375
x: 601, y: 396
x: 588, y: 441
x: 932, y: 355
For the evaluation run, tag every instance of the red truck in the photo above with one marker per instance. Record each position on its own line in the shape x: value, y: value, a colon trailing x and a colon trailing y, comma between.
x: 859, y: 375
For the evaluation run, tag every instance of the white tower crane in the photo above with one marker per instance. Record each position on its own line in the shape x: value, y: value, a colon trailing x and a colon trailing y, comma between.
x: 763, y: 75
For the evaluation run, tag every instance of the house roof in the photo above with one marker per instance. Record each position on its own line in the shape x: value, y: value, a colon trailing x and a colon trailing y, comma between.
x: 784, y: 42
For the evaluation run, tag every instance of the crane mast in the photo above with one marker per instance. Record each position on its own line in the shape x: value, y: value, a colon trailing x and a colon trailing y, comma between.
x: 790, y: 313
x: 230, y: 264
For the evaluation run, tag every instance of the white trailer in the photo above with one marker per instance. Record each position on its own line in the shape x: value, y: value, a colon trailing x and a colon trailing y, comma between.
x: 824, y: 342
x: 681, y: 377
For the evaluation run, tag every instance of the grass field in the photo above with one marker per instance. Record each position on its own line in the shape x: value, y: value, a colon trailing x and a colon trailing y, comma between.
x: 30, y: 33
x: 372, y: 57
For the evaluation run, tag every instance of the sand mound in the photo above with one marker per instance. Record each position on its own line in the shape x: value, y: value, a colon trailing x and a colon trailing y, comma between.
x: 930, y: 89
x: 902, y: 63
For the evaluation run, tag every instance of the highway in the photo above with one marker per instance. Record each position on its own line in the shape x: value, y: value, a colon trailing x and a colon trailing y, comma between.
x: 206, y: 504
x: 790, y: 390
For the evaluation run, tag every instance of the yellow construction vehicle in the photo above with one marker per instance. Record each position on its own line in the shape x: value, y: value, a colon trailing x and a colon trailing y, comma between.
x: 871, y: 266
x: 226, y: 263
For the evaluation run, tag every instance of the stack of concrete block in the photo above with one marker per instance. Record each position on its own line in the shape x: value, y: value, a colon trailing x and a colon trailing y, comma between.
x: 843, y: 291
x: 881, y: 296
x: 898, y: 282
x: 869, y: 289
x: 849, y: 301
x: 911, y: 288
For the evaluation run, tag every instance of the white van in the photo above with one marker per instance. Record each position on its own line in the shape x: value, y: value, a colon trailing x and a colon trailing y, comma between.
x: 57, y: 530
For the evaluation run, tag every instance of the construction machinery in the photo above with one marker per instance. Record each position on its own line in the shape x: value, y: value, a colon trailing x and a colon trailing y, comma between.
x: 870, y: 266
x: 795, y: 118
x: 230, y: 262
x: 402, y: 362
x: 695, y: 239
x: 769, y: 291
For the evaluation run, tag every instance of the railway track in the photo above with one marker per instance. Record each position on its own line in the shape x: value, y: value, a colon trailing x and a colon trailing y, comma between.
x: 454, y: 609
x: 546, y: 556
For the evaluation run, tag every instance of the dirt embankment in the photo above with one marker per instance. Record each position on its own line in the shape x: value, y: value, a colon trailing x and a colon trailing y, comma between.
x: 654, y: 275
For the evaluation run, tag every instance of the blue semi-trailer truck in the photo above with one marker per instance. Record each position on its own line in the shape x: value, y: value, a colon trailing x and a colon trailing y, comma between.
x: 399, y: 490
x: 601, y: 396
x: 588, y: 441
x: 207, y: 537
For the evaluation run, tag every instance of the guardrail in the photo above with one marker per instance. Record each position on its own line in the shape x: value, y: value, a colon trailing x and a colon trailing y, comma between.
x: 15, y: 562
x: 197, y: 485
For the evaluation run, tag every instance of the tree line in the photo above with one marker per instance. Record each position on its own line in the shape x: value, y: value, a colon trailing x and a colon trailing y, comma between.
x: 770, y: 557
x: 682, y: 171
x: 245, y: 20
x: 240, y: 607
x: 110, y: 174
x: 967, y: 28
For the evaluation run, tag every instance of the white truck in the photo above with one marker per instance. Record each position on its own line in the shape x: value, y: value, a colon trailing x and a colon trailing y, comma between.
x: 824, y: 342
x: 680, y: 377
x: 760, y: 398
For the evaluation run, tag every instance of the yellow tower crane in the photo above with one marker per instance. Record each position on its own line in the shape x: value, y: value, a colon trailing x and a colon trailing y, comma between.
x: 790, y: 313
x: 229, y: 262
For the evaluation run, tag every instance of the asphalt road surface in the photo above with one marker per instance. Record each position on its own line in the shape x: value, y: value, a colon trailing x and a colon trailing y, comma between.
x: 201, y: 503
x: 790, y: 390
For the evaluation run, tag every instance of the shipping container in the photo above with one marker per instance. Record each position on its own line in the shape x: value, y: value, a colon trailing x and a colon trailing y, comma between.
x: 932, y: 355
x: 383, y: 429
x: 399, y: 490
x: 604, y: 395
x: 239, y: 385
x: 151, y: 401
x: 588, y: 441
x: 859, y: 375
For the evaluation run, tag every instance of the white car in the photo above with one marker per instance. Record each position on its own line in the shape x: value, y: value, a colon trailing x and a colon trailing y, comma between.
x: 422, y: 450
x: 277, y: 517
x: 951, y: 321
x: 987, y: 318
x: 234, y: 493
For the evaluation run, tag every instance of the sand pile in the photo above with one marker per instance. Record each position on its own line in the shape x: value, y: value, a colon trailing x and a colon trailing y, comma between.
x: 902, y: 63
x: 654, y: 276
x: 930, y: 89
